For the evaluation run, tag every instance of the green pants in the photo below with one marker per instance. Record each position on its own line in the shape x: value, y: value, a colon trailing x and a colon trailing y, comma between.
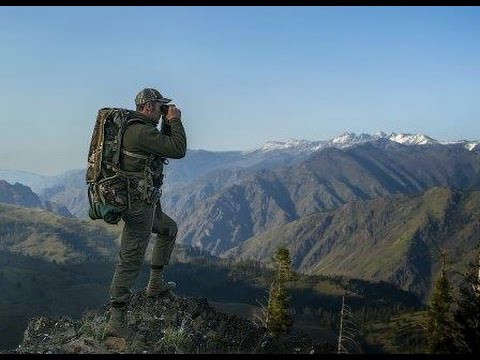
x: 141, y: 220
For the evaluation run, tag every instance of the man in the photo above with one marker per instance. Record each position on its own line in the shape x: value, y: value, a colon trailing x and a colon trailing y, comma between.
x: 144, y: 151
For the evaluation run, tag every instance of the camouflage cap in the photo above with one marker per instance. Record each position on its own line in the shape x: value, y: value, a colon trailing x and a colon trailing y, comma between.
x: 148, y: 94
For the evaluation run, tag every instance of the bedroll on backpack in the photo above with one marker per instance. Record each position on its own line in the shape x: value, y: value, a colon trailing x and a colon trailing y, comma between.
x: 107, y: 188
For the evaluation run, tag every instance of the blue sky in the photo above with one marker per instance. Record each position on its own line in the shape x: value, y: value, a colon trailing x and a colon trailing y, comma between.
x: 242, y: 76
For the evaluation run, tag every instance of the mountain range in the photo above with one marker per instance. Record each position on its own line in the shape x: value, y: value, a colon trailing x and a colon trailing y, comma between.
x: 225, y: 201
x: 219, y: 212
x: 212, y: 160
x: 373, y: 209
x: 396, y: 239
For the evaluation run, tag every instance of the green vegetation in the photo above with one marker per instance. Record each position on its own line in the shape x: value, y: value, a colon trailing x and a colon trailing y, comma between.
x: 393, y: 238
x: 177, y: 340
x: 42, y: 234
x: 278, y: 321
x: 439, y: 320
x: 31, y: 287
x: 396, y: 334
x: 449, y: 325
x: 51, y: 265
x: 467, y: 314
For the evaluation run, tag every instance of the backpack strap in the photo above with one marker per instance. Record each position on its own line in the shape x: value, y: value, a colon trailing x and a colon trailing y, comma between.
x: 129, y: 122
x: 135, y: 155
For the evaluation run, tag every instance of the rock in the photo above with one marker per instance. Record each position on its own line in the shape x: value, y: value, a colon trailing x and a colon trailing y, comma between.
x: 169, y: 324
x: 115, y: 343
x: 85, y: 346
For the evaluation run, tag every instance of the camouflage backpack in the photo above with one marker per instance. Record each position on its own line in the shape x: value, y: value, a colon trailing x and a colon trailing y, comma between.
x: 107, y: 186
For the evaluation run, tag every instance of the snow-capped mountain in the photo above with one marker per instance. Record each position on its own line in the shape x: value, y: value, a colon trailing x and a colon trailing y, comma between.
x: 469, y: 145
x: 292, y: 144
x: 348, y: 139
x: 473, y: 145
x: 411, y: 139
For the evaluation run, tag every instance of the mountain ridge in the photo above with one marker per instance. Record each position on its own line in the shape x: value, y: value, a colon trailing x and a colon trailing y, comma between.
x: 22, y: 195
x: 394, y: 238
x: 327, y: 179
x: 39, y: 182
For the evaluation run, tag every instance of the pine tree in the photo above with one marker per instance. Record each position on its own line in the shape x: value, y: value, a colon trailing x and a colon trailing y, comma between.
x: 278, y: 321
x: 439, y: 319
x: 467, y: 314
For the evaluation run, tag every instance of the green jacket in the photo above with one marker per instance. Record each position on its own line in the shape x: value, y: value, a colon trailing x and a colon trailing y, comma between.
x: 144, y: 139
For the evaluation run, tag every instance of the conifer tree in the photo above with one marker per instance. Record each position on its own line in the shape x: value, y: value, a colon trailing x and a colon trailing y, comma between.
x: 439, y: 318
x: 467, y: 314
x: 278, y: 321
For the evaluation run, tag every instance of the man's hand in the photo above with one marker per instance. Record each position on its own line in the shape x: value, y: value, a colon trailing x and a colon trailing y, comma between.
x: 173, y: 113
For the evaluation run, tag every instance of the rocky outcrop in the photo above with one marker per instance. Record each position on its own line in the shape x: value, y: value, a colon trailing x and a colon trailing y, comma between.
x: 171, y: 324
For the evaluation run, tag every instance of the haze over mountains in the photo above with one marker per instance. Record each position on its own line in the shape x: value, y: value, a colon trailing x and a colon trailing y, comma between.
x: 277, y: 152
x: 18, y: 194
x: 225, y: 201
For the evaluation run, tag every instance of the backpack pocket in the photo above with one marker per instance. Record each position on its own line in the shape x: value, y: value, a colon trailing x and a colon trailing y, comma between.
x: 108, y: 199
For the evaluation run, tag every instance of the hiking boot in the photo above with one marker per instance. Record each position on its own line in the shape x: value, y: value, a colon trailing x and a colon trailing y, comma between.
x: 160, y: 288
x: 116, y: 325
x: 157, y: 285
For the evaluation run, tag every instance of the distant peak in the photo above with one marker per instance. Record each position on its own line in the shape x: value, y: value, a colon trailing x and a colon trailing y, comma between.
x: 380, y: 135
x: 473, y: 145
x: 350, y: 138
x: 411, y: 139
x: 344, y: 137
x: 288, y: 144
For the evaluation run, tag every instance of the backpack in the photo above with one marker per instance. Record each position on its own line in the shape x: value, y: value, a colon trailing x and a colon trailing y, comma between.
x: 107, y: 187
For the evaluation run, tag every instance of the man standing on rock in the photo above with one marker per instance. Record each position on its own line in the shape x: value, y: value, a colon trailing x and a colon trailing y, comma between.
x: 145, y: 149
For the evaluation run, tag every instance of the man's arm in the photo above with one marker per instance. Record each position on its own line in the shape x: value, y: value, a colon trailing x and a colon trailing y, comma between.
x: 153, y: 141
x: 165, y: 128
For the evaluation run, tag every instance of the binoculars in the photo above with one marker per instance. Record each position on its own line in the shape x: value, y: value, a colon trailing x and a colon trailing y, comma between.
x: 164, y: 109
